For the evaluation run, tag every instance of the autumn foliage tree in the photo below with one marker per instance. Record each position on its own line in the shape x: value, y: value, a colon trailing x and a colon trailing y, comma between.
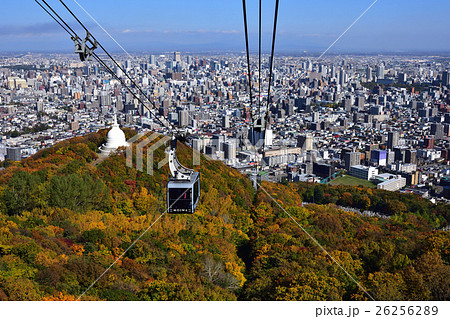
x: 65, y: 218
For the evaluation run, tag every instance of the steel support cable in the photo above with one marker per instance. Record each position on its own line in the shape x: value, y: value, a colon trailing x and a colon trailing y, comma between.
x: 129, y: 89
x: 103, y: 63
x: 244, y: 8
x: 72, y: 33
x: 62, y: 26
x: 259, y: 67
x: 271, y: 58
x: 129, y: 247
x: 314, y: 240
x: 169, y: 127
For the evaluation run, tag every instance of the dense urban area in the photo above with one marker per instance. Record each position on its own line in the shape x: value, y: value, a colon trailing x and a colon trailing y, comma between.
x: 377, y: 121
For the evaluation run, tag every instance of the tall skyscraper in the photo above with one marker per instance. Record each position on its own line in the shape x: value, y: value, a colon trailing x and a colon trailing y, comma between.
x: 105, y: 99
x: 446, y: 78
x: 152, y: 60
x: 341, y: 77
x: 369, y: 74
x: 380, y: 71
x: 393, y: 138
x: 177, y: 56
x: 333, y: 71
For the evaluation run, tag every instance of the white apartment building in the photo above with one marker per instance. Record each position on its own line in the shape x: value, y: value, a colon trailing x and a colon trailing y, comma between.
x: 363, y: 172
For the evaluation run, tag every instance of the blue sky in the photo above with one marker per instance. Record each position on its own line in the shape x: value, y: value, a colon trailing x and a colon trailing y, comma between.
x: 213, y: 25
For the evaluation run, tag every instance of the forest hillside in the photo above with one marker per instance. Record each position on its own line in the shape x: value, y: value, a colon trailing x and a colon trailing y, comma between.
x: 65, y: 216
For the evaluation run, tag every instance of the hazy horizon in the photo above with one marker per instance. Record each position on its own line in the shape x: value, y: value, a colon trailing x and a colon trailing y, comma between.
x: 203, y: 26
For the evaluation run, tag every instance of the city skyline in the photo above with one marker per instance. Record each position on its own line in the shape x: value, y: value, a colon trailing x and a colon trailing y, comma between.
x: 394, y: 27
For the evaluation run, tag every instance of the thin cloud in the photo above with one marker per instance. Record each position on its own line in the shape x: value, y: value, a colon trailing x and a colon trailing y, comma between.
x: 168, y: 32
x: 135, y: 31
x: 30, y: 30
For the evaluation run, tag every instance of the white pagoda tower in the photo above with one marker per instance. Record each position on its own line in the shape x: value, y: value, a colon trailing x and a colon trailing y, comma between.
x: 116, y: 138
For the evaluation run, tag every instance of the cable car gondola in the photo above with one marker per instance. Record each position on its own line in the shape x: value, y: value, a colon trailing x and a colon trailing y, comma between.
x: 183, y: 189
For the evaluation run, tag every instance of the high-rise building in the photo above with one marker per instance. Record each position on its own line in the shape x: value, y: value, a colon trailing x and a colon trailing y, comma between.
x: 119, y: 104
x: 348, y: 104
x: 315, y: 117
x: 393, y: 139
x: 360, y: 101
x: 437, y: 129
x: 428, y: 143
x: 226, y: 122
x: 390, y: 157
x: 402, y: 77
x: 229, y: 149
x: 197, y: 144
x: 352, y: 159
x: 411, y: 156
x: 333, y: 71
x: 369, y: 74
x: 105, y: 99
x: 305, y: 142
x: 170, y: 65
x: 342, y: 77
x: 446, y: 78
x: 400, y: 154
x: 218, y: 141
x: 118, y: 71
x: 380, y: 71
x: 152, y: 60
x: 183, y: 118
x: 378, y: 157
x: 177, y: 56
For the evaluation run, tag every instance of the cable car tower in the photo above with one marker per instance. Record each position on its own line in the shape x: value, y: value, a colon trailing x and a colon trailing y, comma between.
x: 259, y: 124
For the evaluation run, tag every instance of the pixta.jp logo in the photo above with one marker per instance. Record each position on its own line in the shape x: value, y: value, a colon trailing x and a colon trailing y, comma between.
x: 142, y: 141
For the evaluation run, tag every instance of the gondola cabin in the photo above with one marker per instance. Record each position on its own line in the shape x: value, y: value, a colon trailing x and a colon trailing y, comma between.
x: 183, y: 195
x: 183, y: 189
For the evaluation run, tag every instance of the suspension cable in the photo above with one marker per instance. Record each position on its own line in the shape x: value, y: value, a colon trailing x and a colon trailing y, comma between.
x: 115, y: 62
x: 65, y: 23
x: 57, y: 21
x: 103, y: 63
x: 167, y: 125
x: 244, y: 7
x: 259, y: 67
x: 271, y: 57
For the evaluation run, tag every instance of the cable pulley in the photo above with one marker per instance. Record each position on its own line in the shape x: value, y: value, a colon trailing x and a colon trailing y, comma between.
x: 85, y: 48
